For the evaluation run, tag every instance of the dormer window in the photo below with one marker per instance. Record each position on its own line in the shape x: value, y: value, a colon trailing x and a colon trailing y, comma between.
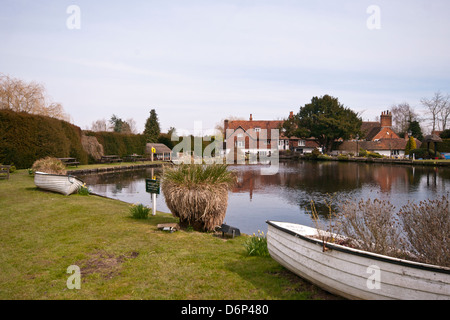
x: 301, y: 143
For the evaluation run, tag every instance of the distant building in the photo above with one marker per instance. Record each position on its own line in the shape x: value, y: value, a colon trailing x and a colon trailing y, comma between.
x: 379, y: 138
x: 256, y: 137
x: 375, y: 131
x: 160, y: 151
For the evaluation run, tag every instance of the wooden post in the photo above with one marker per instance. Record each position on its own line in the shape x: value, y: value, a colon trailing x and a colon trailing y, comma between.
x: 153, y: 194
x: 153, y: 203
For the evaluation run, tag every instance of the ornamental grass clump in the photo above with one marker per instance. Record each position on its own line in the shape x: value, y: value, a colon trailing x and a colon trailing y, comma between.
x: 198, y: 194
x: 49, y: 165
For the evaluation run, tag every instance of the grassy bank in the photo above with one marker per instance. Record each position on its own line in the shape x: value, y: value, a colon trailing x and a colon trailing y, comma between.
x: 44, y: 233
x: 114, y: 165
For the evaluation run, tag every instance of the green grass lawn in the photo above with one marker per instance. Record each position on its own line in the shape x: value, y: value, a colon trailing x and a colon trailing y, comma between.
x: 44, y: 233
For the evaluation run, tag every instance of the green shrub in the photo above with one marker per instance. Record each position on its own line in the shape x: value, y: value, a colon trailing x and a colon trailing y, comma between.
x: 139, y: 211
x: 342, y: 157
x: 424, y: 153
x: 445, y: 134
x: 362, y: 152
x: 256, y: 245
x: 374, y: 154
x: 323, y: 157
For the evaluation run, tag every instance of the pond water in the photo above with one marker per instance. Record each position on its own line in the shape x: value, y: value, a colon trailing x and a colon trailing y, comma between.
x: 287, y: 195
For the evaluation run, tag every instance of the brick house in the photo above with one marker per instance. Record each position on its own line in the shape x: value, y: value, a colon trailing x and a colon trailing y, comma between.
x: 262, y: 137
x: 378, y: 137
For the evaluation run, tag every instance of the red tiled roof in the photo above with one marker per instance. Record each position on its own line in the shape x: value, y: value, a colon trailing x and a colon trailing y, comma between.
x: 382, y: 144
x: 250, y: 126
x: 263, y: 124
x: 370, y: 129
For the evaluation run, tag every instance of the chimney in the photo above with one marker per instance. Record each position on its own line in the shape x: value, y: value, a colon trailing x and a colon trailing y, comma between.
x: 225, y: 127
x: 386, y: 119
x: 291, y: 115
x: 251, y: 118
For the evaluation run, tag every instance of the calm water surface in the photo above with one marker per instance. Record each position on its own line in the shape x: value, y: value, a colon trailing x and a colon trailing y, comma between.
x: 286, y: 196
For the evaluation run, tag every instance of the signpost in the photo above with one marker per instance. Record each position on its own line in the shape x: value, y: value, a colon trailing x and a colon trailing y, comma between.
x: 153, y: 152
x: 152, y: 186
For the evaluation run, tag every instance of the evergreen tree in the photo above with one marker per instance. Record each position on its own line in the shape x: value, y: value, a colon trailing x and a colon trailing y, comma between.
x: 152, y: 129
x: 410, y: 145
x: 116, y: 123
x: 415, y: 129
x: 326, y: 119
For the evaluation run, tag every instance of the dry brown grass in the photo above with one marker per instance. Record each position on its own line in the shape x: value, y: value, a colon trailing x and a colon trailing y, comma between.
x: 427, y: 226
x: 49, y: 165
x: 198, y: 194
x: 373, y: 224
x: 419, y: 232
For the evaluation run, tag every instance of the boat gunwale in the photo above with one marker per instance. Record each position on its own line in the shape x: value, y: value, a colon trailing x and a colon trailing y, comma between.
x: 361, y: 253
x: 58, y: 175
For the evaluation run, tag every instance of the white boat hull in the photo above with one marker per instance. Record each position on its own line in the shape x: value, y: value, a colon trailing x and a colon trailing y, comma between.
x: 352, y: 273
x: 65, y: 184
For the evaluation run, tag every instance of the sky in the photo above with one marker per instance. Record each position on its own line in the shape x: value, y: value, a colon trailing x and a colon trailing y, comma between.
x: 208, y: 60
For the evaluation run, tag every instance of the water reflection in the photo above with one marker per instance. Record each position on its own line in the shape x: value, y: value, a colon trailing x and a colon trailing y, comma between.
x: 286, y: 196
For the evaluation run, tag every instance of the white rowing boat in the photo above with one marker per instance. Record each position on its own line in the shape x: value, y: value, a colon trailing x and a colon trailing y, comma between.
x: 65, y: 184
x: 352, y: 273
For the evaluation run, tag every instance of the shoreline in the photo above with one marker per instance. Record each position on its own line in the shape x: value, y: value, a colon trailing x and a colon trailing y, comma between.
x: 104, y: 169
x: 431, y: 162
x: 115, y: 168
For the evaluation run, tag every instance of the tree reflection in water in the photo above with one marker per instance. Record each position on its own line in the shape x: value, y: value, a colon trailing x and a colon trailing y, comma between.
x: 286, y: 196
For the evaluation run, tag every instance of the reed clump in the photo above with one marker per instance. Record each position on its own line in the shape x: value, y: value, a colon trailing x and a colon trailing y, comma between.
x: 49, y: 165
x: 198, y: 194
x: 418, y: 232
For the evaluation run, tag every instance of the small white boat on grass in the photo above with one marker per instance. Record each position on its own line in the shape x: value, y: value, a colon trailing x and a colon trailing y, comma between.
x: 352, y: 273
x: 65, y: 184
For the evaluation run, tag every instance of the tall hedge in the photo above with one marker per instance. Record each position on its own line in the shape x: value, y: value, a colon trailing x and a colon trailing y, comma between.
x: 120, y: 144
x: 25, y: 138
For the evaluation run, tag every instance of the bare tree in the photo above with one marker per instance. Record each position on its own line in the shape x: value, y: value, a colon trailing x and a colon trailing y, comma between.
x: 435, y: 106
x: 31, y: 97
x: 219, y: 126
x: 445, y: 112
x: 99, y: 125
x: 402, y: 115
x: 132, y: 125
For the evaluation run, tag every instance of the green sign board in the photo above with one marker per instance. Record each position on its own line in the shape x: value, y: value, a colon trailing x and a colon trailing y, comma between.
x: 152, y: 186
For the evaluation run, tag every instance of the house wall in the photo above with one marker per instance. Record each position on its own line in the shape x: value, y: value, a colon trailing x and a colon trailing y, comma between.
x: 387, y: 153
